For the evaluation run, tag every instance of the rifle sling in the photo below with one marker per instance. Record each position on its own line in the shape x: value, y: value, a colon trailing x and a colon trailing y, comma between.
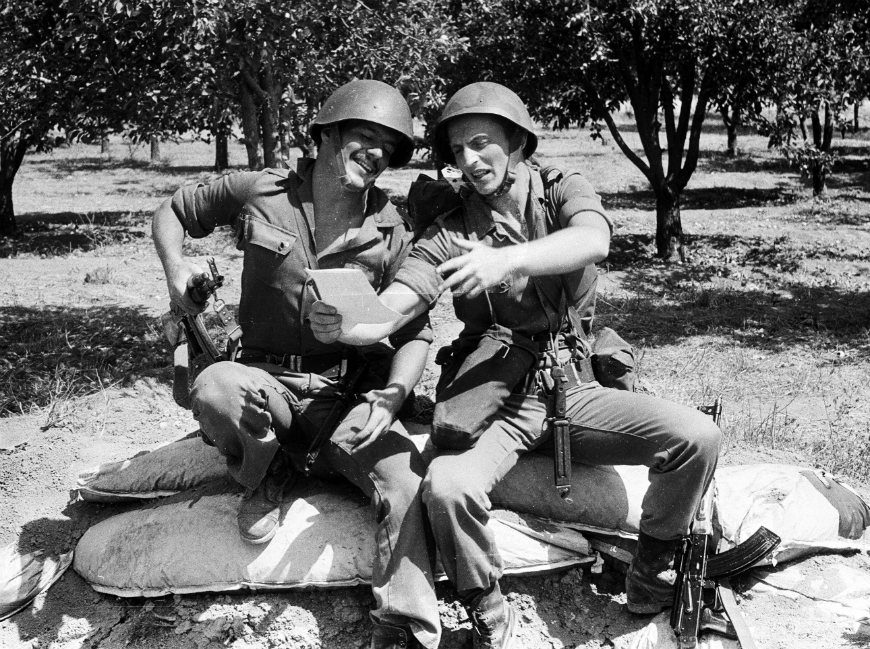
x: 344, y: 401
x: 726, y: 596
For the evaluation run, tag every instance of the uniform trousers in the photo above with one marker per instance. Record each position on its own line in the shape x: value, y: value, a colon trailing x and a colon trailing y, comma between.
x: 680, y: 446
x: 239, y: 408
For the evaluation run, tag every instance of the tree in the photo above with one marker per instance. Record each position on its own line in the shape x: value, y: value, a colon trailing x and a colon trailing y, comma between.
x: 579, y: 61
x: 160, y: 68
x: 825, y: 69
x: 32, y: 96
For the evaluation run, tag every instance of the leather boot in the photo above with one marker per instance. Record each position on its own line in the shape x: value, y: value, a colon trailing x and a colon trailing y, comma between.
x: 388, y: 636
x: 260, y: 509
x: 650, y: 581
x: 493, y: 620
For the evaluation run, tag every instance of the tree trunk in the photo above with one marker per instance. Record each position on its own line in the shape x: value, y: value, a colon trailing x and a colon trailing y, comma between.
x: 823, y: 132
x: 732, y: 121
x: 104, y: 141
x: 12, y: 151
x: 155, y: 149
x: 222, y: 150
x: 669, y: 226
x: 269, y: 118
x: 250, y: 126
x: 855, y: 118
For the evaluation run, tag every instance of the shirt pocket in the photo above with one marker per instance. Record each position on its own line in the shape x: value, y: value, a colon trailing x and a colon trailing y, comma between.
x: 267, y: 247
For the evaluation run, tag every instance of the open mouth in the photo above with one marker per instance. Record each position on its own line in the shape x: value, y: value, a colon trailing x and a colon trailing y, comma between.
x: 365, y: 164
x: 480, y: 174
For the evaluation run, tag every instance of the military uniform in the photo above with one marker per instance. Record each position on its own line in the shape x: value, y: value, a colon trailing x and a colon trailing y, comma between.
x: 285, y: 385
x: 677, y: 443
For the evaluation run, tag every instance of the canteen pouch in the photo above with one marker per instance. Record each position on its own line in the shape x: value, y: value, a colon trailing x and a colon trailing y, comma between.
x: 613, y: 361
x: 474, y: 386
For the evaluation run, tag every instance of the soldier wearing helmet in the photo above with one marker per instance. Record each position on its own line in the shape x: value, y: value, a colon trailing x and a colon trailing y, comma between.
x: 263, y: 409
x: 517, y: 246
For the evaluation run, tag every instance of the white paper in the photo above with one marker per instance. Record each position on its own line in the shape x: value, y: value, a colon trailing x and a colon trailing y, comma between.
x: 348, y: 290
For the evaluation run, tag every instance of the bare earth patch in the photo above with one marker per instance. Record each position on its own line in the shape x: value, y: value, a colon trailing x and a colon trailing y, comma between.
x: 771, y: 311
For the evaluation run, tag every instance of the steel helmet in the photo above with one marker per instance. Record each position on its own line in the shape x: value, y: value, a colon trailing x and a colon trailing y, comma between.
x: 373, y: 101
x: 483, y: 98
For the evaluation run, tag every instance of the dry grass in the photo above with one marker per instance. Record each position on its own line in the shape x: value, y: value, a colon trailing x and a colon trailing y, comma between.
x: 771, y: 310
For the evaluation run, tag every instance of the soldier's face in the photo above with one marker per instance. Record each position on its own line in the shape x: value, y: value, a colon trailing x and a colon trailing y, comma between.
x: 366, y: 149
x: 481, y: 148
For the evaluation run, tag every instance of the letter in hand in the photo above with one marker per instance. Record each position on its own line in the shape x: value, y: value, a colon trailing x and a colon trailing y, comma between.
x: 325, y: 322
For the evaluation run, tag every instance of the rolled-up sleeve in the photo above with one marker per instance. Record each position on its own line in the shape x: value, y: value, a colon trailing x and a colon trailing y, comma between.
x: 201, y: 208
x: 575, y: 194
x: 418, y: 270
x: 420, y: 328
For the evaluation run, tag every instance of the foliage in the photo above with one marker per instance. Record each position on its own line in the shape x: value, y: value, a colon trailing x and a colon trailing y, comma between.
x: 579, y: 61
x: 823, y: 66
x: 164, y: 68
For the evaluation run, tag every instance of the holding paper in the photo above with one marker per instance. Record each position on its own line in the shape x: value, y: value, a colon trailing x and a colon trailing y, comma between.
x: 348, y: 290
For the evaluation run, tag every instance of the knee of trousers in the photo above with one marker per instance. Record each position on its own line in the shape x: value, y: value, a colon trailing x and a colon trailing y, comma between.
x: 701, y: 438
x: 446, y: 490
x: 214, y: 385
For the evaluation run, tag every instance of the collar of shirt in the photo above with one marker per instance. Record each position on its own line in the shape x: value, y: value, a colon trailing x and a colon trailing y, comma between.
x: 380, y: 212
x: 482, y: 219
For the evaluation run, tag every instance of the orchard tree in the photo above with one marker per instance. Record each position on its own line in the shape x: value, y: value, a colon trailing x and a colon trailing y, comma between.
x: 290, y: 56
x: 33, y: 98
x: 823, y: 71
x: 580, y: 61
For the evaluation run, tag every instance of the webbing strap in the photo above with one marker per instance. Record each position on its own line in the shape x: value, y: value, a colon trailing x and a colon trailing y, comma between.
x: 726, y: 596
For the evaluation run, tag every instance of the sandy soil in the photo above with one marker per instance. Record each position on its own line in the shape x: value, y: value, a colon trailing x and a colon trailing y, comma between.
x: 44, y: 450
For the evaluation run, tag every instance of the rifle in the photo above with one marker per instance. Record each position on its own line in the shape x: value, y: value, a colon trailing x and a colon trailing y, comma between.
x: 193, y: 347
x: 703, y: 600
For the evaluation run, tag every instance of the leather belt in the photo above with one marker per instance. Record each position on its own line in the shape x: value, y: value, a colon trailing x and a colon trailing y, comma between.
x: 332, y: 365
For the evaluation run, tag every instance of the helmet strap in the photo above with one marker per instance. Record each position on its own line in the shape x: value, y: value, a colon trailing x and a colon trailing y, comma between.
x: 336, y: 140
x: 514, y: 158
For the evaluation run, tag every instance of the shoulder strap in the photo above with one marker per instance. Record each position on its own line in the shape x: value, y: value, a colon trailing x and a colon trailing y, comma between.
x: 551, y: 176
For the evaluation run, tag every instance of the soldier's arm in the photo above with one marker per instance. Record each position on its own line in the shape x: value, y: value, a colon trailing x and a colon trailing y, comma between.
x: 195, y: 210
x: 168, y: 235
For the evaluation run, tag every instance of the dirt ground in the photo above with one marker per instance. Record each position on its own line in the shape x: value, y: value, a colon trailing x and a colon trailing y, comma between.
x: 770, y: 310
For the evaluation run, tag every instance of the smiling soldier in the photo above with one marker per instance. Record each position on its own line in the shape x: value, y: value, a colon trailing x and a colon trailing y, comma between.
x: 517, y: 245
x: 285, y: 384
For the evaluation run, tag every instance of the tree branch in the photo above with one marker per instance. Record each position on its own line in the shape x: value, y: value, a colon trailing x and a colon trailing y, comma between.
x: 602, y: 111
x: 682, y: 177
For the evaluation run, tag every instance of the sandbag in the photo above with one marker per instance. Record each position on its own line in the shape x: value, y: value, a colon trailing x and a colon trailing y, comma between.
x: 325, y: 540
x: 806, y: 512
x: 810, y: 513
x: 171, y: 468
x: 605, y: 499
x: 24, y: 576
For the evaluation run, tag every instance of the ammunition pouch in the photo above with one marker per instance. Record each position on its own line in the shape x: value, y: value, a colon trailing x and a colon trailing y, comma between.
x: 476, y: 382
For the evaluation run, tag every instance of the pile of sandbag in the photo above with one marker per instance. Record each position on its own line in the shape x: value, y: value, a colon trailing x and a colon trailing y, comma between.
x: 189, y: 543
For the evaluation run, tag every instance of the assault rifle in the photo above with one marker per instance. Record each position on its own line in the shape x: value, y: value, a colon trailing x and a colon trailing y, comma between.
x: 703, y: 600
x: 193, y: 347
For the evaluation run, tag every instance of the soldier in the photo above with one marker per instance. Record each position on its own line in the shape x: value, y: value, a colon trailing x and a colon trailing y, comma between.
x: 517, y: 246
x: 272, y: 400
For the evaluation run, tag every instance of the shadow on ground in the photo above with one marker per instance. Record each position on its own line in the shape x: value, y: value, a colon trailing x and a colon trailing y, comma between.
x: 64, y: 232
x: 768, y: 309
x: 58, y: 353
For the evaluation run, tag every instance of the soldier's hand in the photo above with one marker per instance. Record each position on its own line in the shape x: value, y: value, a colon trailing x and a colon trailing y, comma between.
x: 176, y: 280
x: 325, y: 322
x: 384, y: 406
x: 481, y: 268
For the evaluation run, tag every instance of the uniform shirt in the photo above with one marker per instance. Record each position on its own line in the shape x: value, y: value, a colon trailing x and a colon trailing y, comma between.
x: 527, y: 306
x: 272, y: 213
